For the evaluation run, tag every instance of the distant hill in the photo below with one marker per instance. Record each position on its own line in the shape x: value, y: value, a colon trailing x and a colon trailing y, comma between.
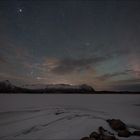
x: 7, y: 87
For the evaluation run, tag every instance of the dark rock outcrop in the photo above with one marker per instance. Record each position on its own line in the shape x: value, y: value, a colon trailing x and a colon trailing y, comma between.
x: 116, y: 124
x: 136, y: 133
x: 120, y: 127
x: 102, y: 134
x: 124, y: 133
x: 105, y: 137
x: 94, y: 135
x: 85, y: 138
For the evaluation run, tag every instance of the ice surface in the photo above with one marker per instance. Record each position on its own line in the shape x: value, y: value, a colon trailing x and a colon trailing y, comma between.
x: 64, y: 117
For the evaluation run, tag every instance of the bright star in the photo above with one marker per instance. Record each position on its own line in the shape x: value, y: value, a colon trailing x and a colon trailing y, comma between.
x: 20, y: 10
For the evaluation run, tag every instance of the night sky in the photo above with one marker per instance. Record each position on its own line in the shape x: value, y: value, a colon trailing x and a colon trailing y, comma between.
x: 91, y: 42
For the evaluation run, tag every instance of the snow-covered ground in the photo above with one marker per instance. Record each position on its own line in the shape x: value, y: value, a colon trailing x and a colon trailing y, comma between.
x: 64, y: 117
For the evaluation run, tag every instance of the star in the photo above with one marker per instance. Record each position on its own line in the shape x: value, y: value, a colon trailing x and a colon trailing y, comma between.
x: 20, y: 10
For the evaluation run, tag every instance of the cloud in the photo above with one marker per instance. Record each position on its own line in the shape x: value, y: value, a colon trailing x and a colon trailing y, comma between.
x: 50, y: 63
x: 2, y: 60
x: 15, y: 52
x: 69, y: 65
x: 108, y: 83
x: 135, y: 72
x: 12, y: 77
x: 112, y: 75
x: 132, y: 84
x: 132, y: 87
x: 22, y: 54
x: 128, y: 81
x: 109, y: 76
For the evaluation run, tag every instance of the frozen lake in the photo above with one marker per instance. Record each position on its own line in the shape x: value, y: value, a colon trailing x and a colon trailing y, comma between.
x: 60, y: 116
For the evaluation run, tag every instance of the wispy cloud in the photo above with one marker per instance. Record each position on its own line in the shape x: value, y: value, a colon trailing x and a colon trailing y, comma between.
x: 131, y: 84
x: 128, y: 81
x: 111, y: 75
x: 10, y: 76
x: 70, y: 65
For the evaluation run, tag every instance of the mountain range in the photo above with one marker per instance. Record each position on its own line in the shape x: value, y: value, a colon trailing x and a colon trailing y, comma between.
x: 7, y: 87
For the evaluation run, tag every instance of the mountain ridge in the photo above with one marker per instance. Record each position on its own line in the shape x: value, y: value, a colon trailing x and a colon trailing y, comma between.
x: 7, y: 87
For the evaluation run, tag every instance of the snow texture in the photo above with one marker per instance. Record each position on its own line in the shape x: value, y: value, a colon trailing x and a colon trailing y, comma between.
x: 64, y: 117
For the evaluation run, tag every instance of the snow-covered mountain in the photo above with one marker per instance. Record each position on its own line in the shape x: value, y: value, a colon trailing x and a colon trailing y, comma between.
x: 60, y: 87
x: 57, y: 86
x: 6, y: 86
